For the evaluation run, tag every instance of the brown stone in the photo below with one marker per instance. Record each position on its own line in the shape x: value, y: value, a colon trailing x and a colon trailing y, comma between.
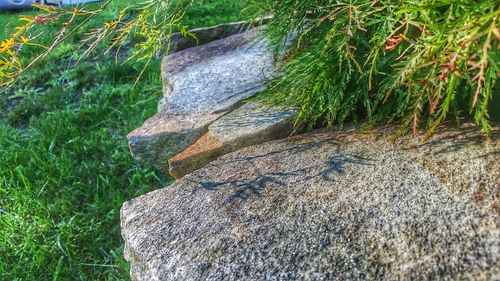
x: 245, y: 126
x: 194, y: 157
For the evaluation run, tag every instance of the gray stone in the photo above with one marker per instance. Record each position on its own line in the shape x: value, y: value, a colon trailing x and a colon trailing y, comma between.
x: 206, y: 35
x: 327, y: 206
x: 248, y: 125
x: 252, y: 123
x: 201, y: 84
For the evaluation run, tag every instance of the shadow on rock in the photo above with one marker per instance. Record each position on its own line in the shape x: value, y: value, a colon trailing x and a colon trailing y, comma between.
x: 253, y: 187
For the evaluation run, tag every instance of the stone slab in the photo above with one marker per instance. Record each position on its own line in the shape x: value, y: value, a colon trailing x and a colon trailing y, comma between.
x: 164, y: 135
x: 248, y: 125
x: 196, y: 156
x: 253, y: 123
x: 201, y: 84
x: 205, y: 35
x: 213, y: 77
x: 327, y: 206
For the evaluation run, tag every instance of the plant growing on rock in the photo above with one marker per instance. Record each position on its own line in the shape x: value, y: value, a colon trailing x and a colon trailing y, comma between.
x: 415, y: 61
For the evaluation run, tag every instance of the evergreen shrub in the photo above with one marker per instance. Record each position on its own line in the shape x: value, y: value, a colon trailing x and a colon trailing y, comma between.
x: 412, y: 61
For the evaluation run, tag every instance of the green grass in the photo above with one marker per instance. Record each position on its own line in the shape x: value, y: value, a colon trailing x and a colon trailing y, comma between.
x: 64, y: 177
x: 65, y: 167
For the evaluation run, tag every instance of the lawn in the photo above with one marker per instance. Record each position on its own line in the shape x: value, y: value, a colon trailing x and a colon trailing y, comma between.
x: 65, y: 167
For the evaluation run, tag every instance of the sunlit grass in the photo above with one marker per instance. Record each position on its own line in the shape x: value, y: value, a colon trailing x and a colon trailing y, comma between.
x: 64, y: 177
x: 65, y: 167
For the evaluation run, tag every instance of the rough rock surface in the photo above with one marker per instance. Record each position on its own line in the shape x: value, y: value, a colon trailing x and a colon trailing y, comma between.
x: 206, y: 35
x: 245, y: 126
x: 326, y: 206
x: 201, y: 84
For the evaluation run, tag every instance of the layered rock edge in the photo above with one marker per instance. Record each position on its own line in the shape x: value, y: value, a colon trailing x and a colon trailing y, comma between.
x: 206, y: 35
x: 248, y: 125
x: 201, y: 84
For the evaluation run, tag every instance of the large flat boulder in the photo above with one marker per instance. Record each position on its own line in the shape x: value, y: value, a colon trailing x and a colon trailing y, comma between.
x: 248, y: 125
x: 201, y: 84
x: 325, y: 206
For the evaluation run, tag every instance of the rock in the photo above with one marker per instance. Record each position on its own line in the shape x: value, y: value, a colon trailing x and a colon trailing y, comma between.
x: 201, y: 85
x: 206, y: 35
x: 326, y: 206
x: 245, y: 126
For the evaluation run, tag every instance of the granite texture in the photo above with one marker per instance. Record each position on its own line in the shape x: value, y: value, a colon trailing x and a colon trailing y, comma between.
x: 248, y: 125
x: 215, y: 76
x: 201, y: 84
x: 253, y: 123
x: 327, y: 206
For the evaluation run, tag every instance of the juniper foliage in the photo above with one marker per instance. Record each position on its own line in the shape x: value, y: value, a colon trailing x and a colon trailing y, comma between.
x: 415, y: 61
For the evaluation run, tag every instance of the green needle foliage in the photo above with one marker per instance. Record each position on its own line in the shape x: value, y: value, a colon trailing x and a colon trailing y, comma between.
x: 412, y: 60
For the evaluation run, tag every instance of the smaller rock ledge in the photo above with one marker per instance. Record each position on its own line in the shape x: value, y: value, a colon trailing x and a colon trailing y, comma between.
x: 246, y: 126
x: 203, y: 151
x: 163, y: 135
